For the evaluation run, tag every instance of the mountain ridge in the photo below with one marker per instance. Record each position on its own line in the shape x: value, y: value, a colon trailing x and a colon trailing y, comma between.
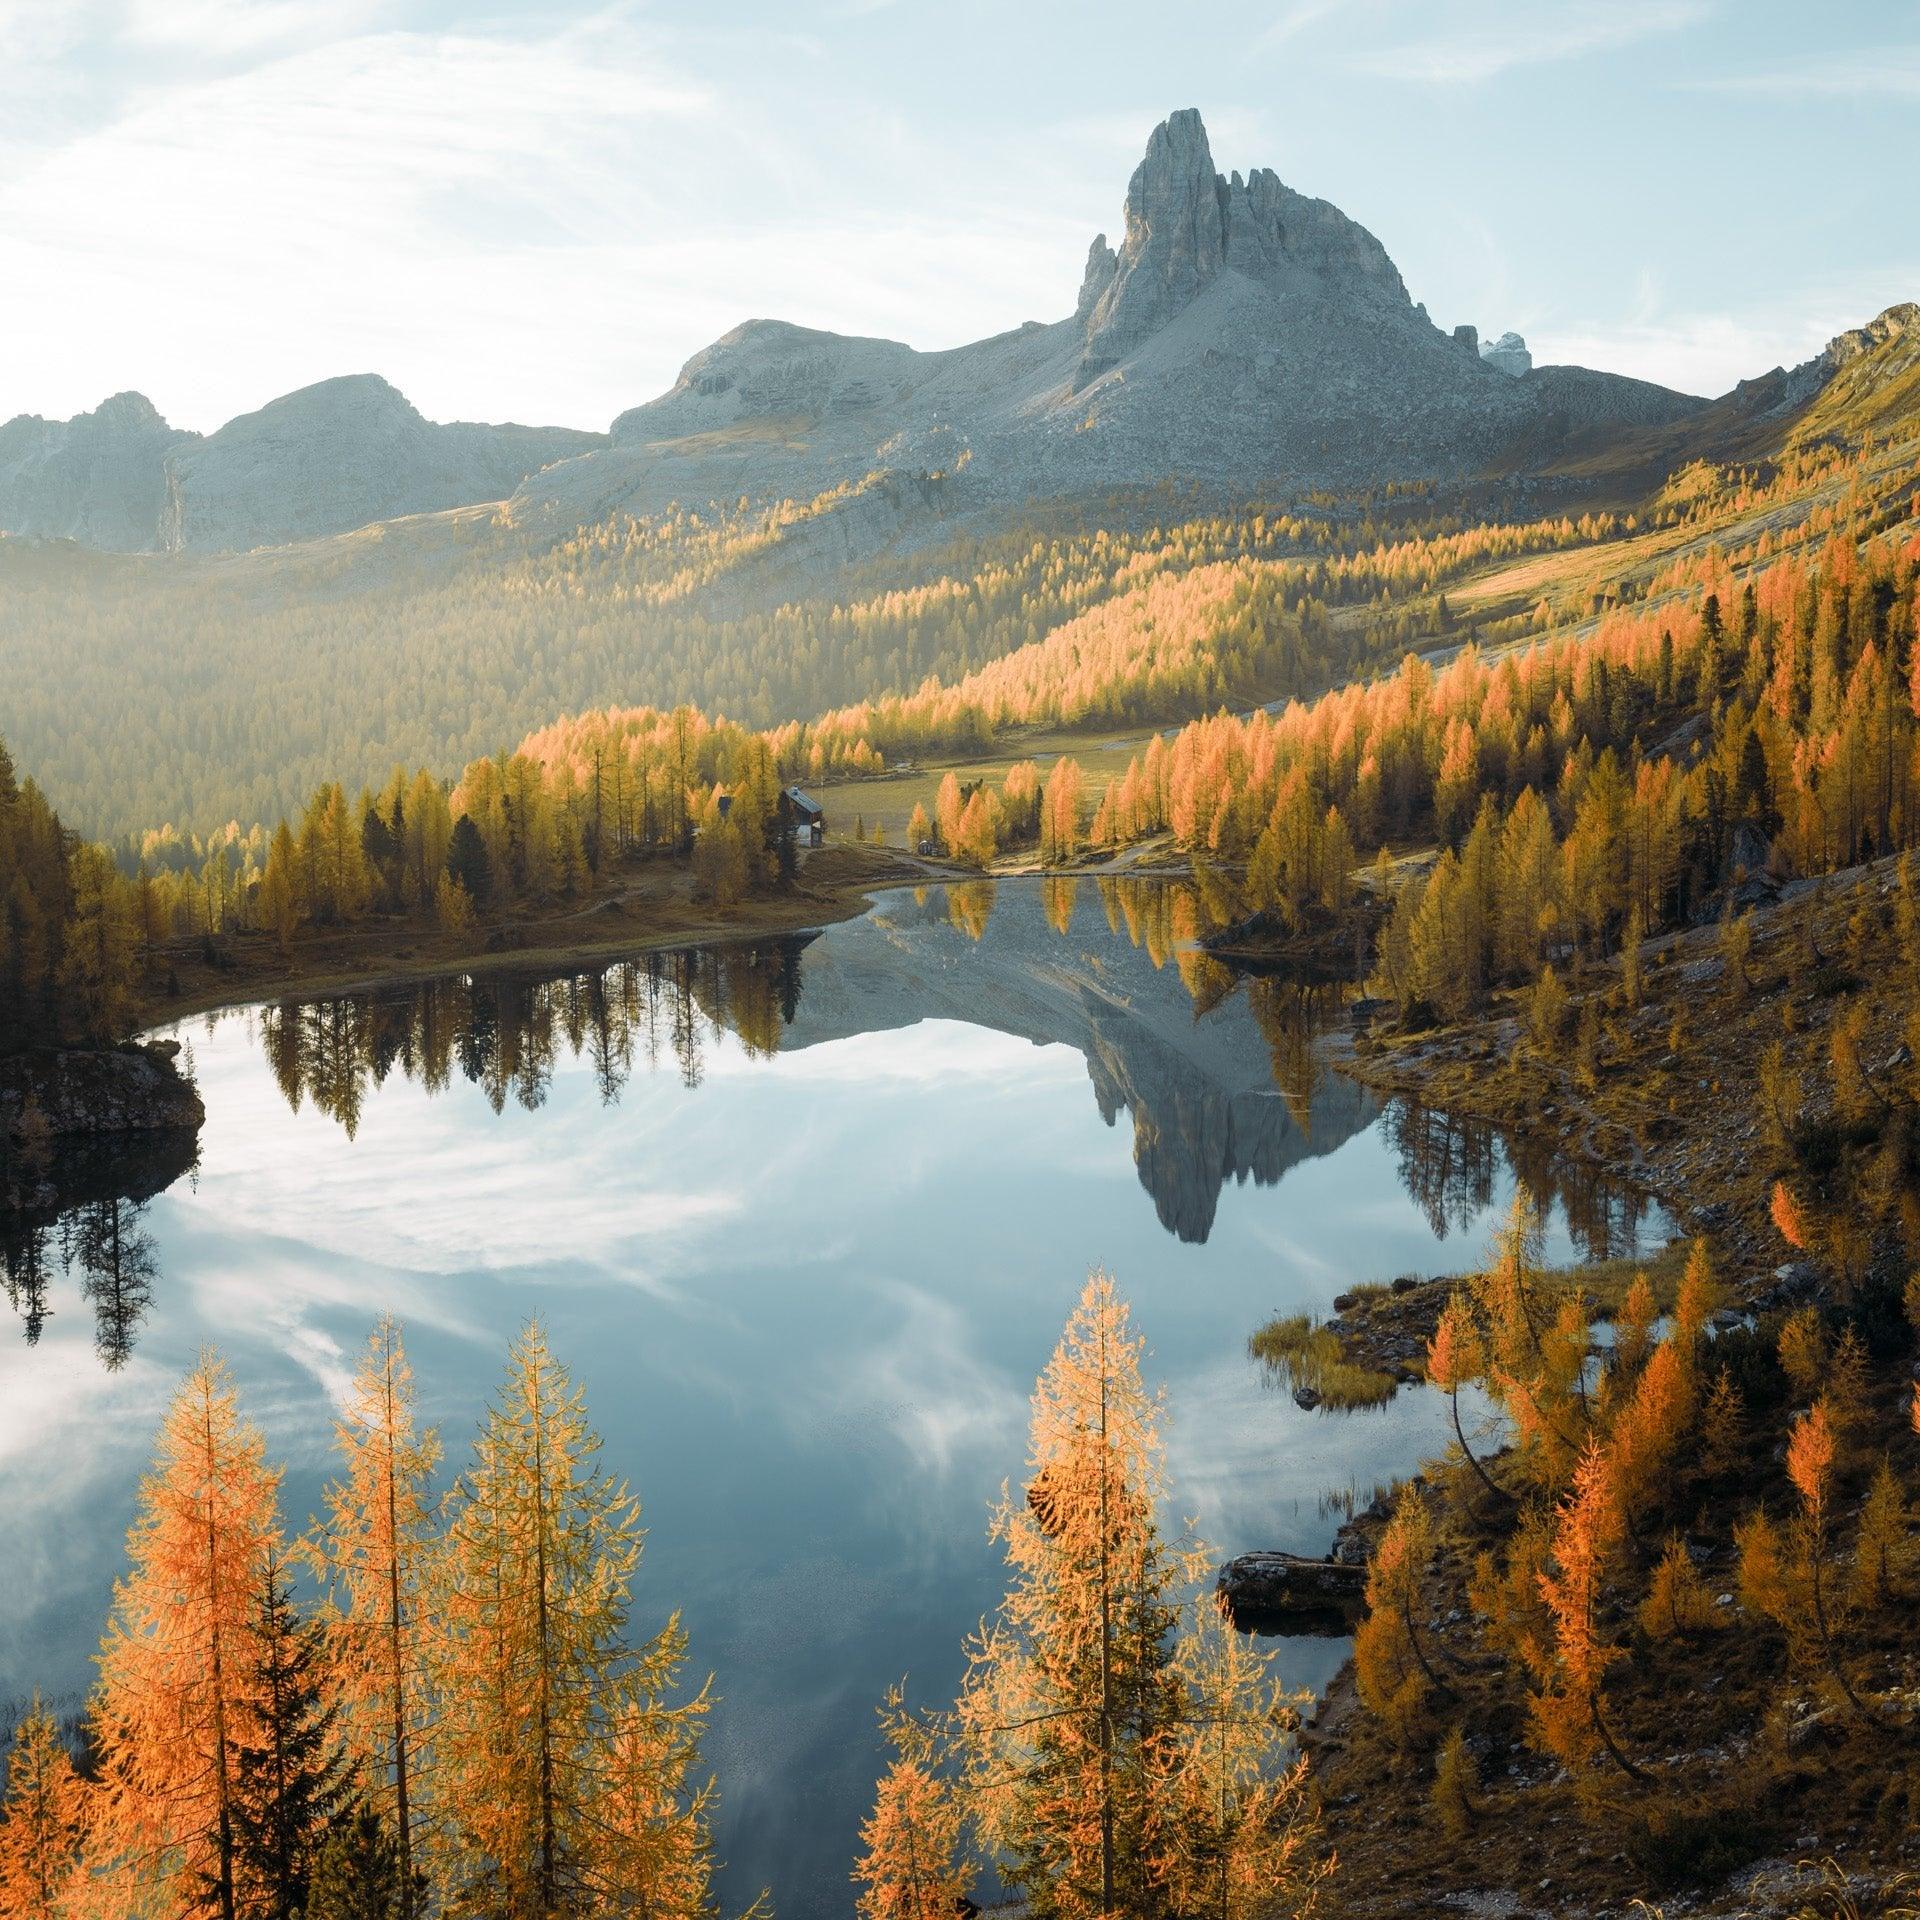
x: 327, y: 458
x: 1242, y: 335
x: 1243, y: 339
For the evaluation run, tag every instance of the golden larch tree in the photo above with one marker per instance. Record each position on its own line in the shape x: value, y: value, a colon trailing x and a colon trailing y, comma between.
x: 1069, y: 1685
x: 537, y: 1683
x: 1238, y: 1836
x: 1455, y: 1359
x: 1810, y: 1456
x: 1568, y: 1711
x: 1391, y: 1665
x: 655, y: 1818
x: 911, y: 1864
x: 175, y: 1699
x: 378, y: 1554
x: 41, y: 1822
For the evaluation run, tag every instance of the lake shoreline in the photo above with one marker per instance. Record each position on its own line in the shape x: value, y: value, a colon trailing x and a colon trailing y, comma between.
x: 654, y: 913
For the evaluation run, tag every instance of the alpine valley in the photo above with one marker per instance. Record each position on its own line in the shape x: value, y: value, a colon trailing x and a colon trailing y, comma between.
x: 1360, y: 892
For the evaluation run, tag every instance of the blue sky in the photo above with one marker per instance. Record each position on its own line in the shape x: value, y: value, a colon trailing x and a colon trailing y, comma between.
x: 539, y: 211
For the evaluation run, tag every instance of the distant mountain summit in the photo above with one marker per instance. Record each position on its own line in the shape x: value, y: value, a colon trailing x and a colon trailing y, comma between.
x: 1186, y: 225
x: 338, y: 455
x: 323, y: 460
x: 99, y: 478
x: 1243, y: 338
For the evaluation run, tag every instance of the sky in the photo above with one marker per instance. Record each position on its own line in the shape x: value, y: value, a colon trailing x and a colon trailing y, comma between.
x: 539, y: 211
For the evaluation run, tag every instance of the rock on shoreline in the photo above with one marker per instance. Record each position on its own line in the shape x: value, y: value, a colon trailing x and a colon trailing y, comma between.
x: 1287, y: 1593
x: 79, y: 1126
x: 89, y: 1093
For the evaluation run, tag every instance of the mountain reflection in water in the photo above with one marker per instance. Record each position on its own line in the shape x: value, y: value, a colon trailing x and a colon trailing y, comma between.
x: 805, y: 1218
x: 1217, y: 1072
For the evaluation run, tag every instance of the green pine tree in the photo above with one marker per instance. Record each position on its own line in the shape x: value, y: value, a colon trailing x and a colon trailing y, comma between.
x: 288, y: 1771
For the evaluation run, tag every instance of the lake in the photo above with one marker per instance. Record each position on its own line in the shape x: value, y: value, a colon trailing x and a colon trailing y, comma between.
x: 805, y: 1220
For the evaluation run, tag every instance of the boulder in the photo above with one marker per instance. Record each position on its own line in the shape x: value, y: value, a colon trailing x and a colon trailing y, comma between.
x: 86, y: 1093
x: 1273, y: 1592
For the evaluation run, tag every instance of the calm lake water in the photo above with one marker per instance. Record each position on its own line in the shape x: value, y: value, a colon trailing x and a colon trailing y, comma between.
x: 805, y: 1221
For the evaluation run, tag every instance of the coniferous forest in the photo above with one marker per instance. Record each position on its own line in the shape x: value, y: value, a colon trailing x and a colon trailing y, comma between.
x: 1397, y: 859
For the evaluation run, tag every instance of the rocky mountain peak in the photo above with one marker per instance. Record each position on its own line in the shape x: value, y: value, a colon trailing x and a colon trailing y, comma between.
x: 1186, y: 223
x: 1102, y: 264
x: 1880, y: 331
x: 347, y: 396
x: 1508, y: 354
x: 132, y: 412
x: 98, y: 477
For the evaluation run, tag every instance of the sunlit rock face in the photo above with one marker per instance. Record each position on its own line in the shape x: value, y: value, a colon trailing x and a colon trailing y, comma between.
x: 1508, y: 354
x: 1187, y: 224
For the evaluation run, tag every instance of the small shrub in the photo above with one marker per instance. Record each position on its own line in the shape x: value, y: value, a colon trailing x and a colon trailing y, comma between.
x: 1679, y: 1845
x: 1456, y: 1781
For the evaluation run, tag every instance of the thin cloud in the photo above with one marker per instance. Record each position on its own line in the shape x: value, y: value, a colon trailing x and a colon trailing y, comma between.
x: 1893, y: 73
x: 1299, y: 18
x: 1477, y: 53
x: 222, y: 29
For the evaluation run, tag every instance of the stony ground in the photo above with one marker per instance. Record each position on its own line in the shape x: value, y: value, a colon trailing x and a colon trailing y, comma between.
x: 1760, y: 1782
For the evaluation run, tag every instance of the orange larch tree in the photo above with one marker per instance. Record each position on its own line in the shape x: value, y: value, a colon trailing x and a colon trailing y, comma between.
x: 1069, y: 1685
x: 912, y: 1866
x: 1238, y: 1838
x: 41, y: 1823
x: 1455, y: 1360
x: 377, y: 1551
x: 1810, y: 1453
x: 1569, y: 1709
x: 176, y: 1694
x: 546, y: 1710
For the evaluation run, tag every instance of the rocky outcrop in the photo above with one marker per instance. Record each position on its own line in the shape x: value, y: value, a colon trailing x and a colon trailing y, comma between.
x: 1508, y: 354
x: 1102, y: 264
x: 774, y: 373
x: 90, y: 1093
x: 1882, y: 330
x: 99, y: 478
x: 84, y: 1125
x: 1187, y: 224
x: 1270, y: 1592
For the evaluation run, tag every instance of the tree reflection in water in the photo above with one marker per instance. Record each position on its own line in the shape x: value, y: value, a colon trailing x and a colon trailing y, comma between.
x: 84, y: 1224
x: 1451, y: 1166
x: 504, y: 1032
x: 1203, y: 1114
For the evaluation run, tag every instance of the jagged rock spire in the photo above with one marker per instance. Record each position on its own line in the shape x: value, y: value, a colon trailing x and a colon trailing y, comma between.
x: 1186, y: 224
